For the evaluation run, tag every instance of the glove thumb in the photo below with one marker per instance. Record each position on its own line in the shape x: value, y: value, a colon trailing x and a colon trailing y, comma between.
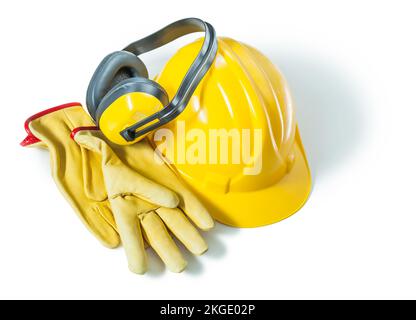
x: 121, y: 180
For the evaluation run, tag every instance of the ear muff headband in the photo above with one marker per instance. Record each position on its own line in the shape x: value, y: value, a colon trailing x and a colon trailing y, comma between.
x: 102, y: 78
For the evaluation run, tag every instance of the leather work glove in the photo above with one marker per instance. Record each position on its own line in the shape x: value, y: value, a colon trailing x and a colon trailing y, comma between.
x: 75, y: 170
x: 78, y: 175
x: 138, y: 189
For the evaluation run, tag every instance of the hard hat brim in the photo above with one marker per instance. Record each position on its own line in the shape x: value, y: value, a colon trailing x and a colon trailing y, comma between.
x: 265, y: 206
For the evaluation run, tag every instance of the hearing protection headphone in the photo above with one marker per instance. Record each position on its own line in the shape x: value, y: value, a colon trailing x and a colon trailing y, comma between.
x: 125, y: 103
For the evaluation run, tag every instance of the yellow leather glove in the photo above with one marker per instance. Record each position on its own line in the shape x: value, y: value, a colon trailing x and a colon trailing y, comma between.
x: 76, y: 171
x: 141, y: 204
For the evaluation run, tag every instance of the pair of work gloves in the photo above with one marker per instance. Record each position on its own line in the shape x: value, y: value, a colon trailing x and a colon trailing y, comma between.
x: 121, y: 193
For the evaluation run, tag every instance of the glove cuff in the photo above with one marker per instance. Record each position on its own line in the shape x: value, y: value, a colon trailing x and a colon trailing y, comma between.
x: 31, y: 139
x: 78, y: 129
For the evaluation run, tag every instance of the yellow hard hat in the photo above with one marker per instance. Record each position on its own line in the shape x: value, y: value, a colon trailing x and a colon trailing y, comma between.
x: 241, y: 90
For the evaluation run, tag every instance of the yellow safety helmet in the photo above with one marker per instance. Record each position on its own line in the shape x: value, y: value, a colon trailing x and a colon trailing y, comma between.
x: 125, y: 104
x: 241, y: 90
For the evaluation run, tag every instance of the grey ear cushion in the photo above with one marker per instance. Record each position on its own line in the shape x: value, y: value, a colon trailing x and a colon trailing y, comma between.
x: 136, y: 84
x: 114, y: 68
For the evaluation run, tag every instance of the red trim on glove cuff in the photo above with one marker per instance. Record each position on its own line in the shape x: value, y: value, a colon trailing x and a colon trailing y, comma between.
x: 31, y: 139
x: 76, y: 130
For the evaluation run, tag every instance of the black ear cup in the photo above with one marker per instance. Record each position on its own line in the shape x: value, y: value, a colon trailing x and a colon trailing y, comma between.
x: 130, y: 85
x: 115, y: 68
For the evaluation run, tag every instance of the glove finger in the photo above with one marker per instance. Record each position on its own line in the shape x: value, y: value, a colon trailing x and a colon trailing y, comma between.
x: 194, y: 209
x: 166, y: 176
x: 98, y: 225
x: 180, y: 226
x: 92, y: 176
x: 160, y: 240
x: 125, y: 214
x: 105, y: 212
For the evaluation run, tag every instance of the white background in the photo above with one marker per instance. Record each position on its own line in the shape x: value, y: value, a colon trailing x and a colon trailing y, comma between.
x: 351, y: 66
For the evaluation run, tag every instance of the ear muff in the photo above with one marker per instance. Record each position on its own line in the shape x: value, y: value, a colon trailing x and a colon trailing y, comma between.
x: 131, y: 85
x: 113, y: 69
x: 129, y: 101
x: 125, y: 104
